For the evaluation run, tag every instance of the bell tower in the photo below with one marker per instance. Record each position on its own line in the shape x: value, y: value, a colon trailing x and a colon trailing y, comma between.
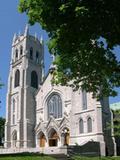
x: 25, y: 76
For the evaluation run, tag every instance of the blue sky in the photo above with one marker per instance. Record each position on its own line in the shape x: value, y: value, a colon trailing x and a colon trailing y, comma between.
x: 14, y: 22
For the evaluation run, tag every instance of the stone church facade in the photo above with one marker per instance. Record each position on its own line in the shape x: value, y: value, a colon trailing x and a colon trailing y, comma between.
x: 40, y: 114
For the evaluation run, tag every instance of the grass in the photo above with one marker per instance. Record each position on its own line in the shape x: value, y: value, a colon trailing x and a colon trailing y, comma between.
x: 44, y: 157
x: 95, y: 158
x: 25, y: 157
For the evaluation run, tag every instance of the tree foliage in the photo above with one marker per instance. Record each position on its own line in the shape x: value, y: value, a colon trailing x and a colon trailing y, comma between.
x: 2, y: 126
x: 116, y: 123
x: 1, y: 84
x: 82, y: 34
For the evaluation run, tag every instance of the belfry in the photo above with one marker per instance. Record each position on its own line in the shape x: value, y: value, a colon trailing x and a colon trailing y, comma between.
x: 25, y: 76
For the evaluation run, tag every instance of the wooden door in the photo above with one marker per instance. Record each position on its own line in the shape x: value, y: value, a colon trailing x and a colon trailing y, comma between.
x: 67, y: 138
x: 53, y: 140
x: 42, y: 141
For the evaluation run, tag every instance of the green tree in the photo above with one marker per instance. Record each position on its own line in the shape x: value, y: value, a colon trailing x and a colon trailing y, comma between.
x: 82, y: 36
x: 1, y: 84
x: 116, y: 123
x: 2, y: 125
x: 2, y: 122
x: 116, y: 128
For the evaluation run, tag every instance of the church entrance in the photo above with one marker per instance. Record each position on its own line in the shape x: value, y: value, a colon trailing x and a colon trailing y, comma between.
x: 65, y: 136
x: 53, y: 138
x: 67, y: 139
x: 42, y: 140
x: 52, y: 142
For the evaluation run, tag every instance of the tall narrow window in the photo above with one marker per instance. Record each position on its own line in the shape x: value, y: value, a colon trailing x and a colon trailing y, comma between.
x: 17, y: 78
x: 31, y: 53
x: 81, y: 126
x: 89, y: 124
x: 21, y: 50
x: 13, y: 105
x: 13, y: 119
x: 23, y: 77
x: 16, y: 53
x: 34, y: 79
x: 37, y: 57
x: 84, y: 100
x: 54, y: 106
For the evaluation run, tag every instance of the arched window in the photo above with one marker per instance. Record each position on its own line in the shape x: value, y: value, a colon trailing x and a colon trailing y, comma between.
x: 34, y: 79
x: 54, y: 106
x: 84, y: 100
x: 13, y: 119
x: 37, y: 57
x: 13, y: 104
x: 21, y: 50
x: 16, y: 53
x: 81, y: 126
x: 31, y: 53
x: 89, y: 124
x: 17, y: 78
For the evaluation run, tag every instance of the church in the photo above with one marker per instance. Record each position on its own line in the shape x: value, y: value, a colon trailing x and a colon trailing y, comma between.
x: 41, y: 115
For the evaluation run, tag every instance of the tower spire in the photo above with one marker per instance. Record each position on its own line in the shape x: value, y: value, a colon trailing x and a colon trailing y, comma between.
x: 26, y: 30
x: 41, y: 39
x: 19, y: 33
x: 14, y: 37
x: 35, y: 35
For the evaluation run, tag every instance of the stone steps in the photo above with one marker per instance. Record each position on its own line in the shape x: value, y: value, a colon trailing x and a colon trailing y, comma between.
x: 61, y: 157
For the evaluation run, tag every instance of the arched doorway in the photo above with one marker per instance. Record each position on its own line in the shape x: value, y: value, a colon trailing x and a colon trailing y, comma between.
x: 42, y: 140
x: 65, y: 136
x: 53, y: 138
x: 14, y: 139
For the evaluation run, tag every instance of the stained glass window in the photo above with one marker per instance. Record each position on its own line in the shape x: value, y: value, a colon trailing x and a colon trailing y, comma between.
x: 54, y: 105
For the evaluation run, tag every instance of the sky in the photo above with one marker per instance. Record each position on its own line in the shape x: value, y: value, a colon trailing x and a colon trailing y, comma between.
x: 11, y: 21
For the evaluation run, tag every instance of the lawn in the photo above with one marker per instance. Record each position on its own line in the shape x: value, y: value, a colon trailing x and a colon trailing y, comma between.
x: 26, y: 157
x: 95, y: 158
x: 43, y: 157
